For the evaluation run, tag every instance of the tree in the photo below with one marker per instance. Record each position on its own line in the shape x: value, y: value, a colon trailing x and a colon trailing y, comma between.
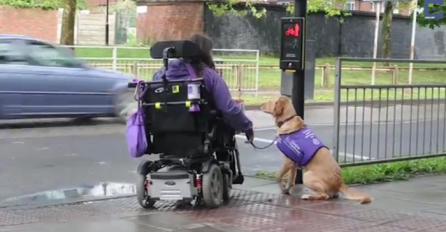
x: 68, y: 20
x: 387, y: 30
x: 431, y: 23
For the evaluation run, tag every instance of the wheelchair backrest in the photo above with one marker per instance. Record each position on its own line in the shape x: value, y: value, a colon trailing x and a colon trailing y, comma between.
x: 168, y: 109
x: 179, y: 122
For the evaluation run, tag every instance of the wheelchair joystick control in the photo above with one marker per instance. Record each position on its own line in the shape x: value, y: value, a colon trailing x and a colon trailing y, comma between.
x: 193, y: 93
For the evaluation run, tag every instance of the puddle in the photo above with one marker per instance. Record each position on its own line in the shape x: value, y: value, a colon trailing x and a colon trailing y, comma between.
x: 101, y: 190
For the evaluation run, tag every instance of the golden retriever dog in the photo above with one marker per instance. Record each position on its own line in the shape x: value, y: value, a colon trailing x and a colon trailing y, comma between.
x: 303, y: 149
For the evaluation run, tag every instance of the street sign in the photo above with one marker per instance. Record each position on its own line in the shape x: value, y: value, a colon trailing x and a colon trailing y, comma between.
x: 292, y: 47
x: 433, y: 5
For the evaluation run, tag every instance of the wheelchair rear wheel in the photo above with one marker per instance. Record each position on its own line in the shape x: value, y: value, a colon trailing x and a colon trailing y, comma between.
x: 142, y: 194
x: 213, y: 187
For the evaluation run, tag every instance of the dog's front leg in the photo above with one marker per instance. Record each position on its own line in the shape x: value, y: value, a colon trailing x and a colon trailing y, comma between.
x: 288, y: 168
x: 292, y: 177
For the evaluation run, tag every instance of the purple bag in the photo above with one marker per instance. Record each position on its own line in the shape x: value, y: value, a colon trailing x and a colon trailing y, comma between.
x: 135, y: 132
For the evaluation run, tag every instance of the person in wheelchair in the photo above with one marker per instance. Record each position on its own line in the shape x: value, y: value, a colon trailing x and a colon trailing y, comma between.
x: 185, y: 138
x: 204, y: 66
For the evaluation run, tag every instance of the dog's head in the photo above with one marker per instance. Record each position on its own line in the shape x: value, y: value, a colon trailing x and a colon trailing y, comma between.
x: 277, y: 106
x: 282, y: 109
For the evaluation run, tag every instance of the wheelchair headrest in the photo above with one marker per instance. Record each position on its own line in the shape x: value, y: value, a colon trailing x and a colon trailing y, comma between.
x: 178, y: 49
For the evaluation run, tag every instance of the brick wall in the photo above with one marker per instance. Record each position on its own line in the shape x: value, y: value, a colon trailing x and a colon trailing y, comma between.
x: 363, y: 6
x: 36, y: 23
x: 168, y: 20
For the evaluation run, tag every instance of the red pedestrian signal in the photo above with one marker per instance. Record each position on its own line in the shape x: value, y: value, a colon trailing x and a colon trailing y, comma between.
x: 293, y: 31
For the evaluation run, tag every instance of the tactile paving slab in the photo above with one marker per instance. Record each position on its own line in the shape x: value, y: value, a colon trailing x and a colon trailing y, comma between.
x: 247, y: 211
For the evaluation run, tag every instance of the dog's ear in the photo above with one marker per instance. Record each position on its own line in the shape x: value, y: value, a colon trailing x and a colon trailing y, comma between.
x: 280, y: 106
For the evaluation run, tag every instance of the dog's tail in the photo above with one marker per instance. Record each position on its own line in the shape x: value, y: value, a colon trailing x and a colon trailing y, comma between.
x: 355, y: 195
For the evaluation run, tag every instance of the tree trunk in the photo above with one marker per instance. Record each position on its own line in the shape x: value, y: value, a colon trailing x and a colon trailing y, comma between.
x: 387, y: 31
x: 69, y: 15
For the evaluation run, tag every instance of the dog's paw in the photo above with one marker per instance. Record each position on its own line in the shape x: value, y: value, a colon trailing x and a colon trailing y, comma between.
x: 305, y: 197
x: 285, y: 191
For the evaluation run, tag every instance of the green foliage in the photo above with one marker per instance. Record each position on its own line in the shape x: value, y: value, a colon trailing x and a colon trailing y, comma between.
x: 41, y: 4
x: 81, y: 4
x: 370, y: 174
x: 220, y: 8
x: 124, y: 5
x: 431, y: 23
x: 331, y: 8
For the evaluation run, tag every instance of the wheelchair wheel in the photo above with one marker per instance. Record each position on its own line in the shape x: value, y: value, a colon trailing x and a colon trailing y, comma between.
x: 213, y: 187
x: 141, y: 193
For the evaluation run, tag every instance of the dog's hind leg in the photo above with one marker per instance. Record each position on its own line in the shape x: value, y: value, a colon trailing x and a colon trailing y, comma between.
x: 312, y: 182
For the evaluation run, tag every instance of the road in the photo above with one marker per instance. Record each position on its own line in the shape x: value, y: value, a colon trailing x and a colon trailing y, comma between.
x: 61, y: 155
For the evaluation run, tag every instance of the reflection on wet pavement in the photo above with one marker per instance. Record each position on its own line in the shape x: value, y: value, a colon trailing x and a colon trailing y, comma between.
x: 101, y: 190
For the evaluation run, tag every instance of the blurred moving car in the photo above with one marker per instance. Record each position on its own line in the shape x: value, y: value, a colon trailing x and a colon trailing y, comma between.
x: 41, y: 80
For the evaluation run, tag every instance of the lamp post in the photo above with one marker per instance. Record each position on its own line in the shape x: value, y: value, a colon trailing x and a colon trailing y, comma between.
x: 107, y: 26
x: 298, y: 91
x: 412, y: 37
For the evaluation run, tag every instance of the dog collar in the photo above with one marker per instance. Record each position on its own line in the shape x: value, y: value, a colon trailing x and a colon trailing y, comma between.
x: 280, y: 123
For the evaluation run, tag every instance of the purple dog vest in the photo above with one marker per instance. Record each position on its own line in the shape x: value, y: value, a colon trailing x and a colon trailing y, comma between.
x: 300, y: 146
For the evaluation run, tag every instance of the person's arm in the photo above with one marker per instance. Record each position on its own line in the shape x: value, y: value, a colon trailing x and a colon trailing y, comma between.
x: 231, y: 111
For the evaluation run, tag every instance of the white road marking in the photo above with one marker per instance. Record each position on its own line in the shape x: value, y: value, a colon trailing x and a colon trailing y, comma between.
x: 265, y: 128
x: 382, y: 123
x: 18, y: 142
x: 349, y: 155
x: 256, y: 139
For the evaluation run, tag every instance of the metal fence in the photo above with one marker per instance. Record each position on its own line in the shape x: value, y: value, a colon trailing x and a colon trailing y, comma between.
x: 239, y: 67
x: 389, y: 122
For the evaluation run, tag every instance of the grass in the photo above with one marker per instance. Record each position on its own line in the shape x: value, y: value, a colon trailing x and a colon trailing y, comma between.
x: 370, y: 174
x: 270, y: 76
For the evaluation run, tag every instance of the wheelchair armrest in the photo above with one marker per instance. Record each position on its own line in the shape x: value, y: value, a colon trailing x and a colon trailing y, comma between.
x: 131, y: 85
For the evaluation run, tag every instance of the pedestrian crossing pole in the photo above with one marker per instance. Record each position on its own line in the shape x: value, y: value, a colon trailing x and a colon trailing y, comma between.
x: 292, y: 57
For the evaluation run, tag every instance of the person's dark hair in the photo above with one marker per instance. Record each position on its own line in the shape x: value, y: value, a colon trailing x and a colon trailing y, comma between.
x: 205, y: 57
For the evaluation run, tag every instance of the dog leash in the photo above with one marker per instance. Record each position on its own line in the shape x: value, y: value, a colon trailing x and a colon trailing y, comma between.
x: 279, y: 124
x: 265, y: 147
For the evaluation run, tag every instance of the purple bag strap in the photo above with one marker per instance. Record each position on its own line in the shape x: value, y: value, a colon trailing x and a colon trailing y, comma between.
x: 139, y: 93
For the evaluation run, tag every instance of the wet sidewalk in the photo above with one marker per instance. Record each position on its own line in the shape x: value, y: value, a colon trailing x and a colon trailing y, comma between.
x: 411, y: 206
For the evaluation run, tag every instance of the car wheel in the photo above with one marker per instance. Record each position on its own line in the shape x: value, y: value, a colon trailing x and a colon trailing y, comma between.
x: 125, y: 105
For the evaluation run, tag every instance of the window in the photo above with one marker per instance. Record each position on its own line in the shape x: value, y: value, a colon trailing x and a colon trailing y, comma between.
x: 10, y: 53
x: 48, y: 55
x: 350, y: 5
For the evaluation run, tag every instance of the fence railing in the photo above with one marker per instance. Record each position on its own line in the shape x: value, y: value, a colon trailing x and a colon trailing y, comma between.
x: 393, y: 74
x: 382, y: 123
x: 136, y: 60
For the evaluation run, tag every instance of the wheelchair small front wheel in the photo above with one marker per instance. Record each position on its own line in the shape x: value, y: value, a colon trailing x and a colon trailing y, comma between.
x: 142, y: 194
x: 226, y: 188
x: 212, y: 187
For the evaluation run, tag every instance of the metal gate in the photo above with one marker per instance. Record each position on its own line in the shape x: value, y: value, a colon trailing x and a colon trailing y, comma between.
x: 391, y: 120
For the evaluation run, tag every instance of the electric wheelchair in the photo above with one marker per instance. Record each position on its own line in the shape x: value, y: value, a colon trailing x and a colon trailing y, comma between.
x: 199, y: 160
